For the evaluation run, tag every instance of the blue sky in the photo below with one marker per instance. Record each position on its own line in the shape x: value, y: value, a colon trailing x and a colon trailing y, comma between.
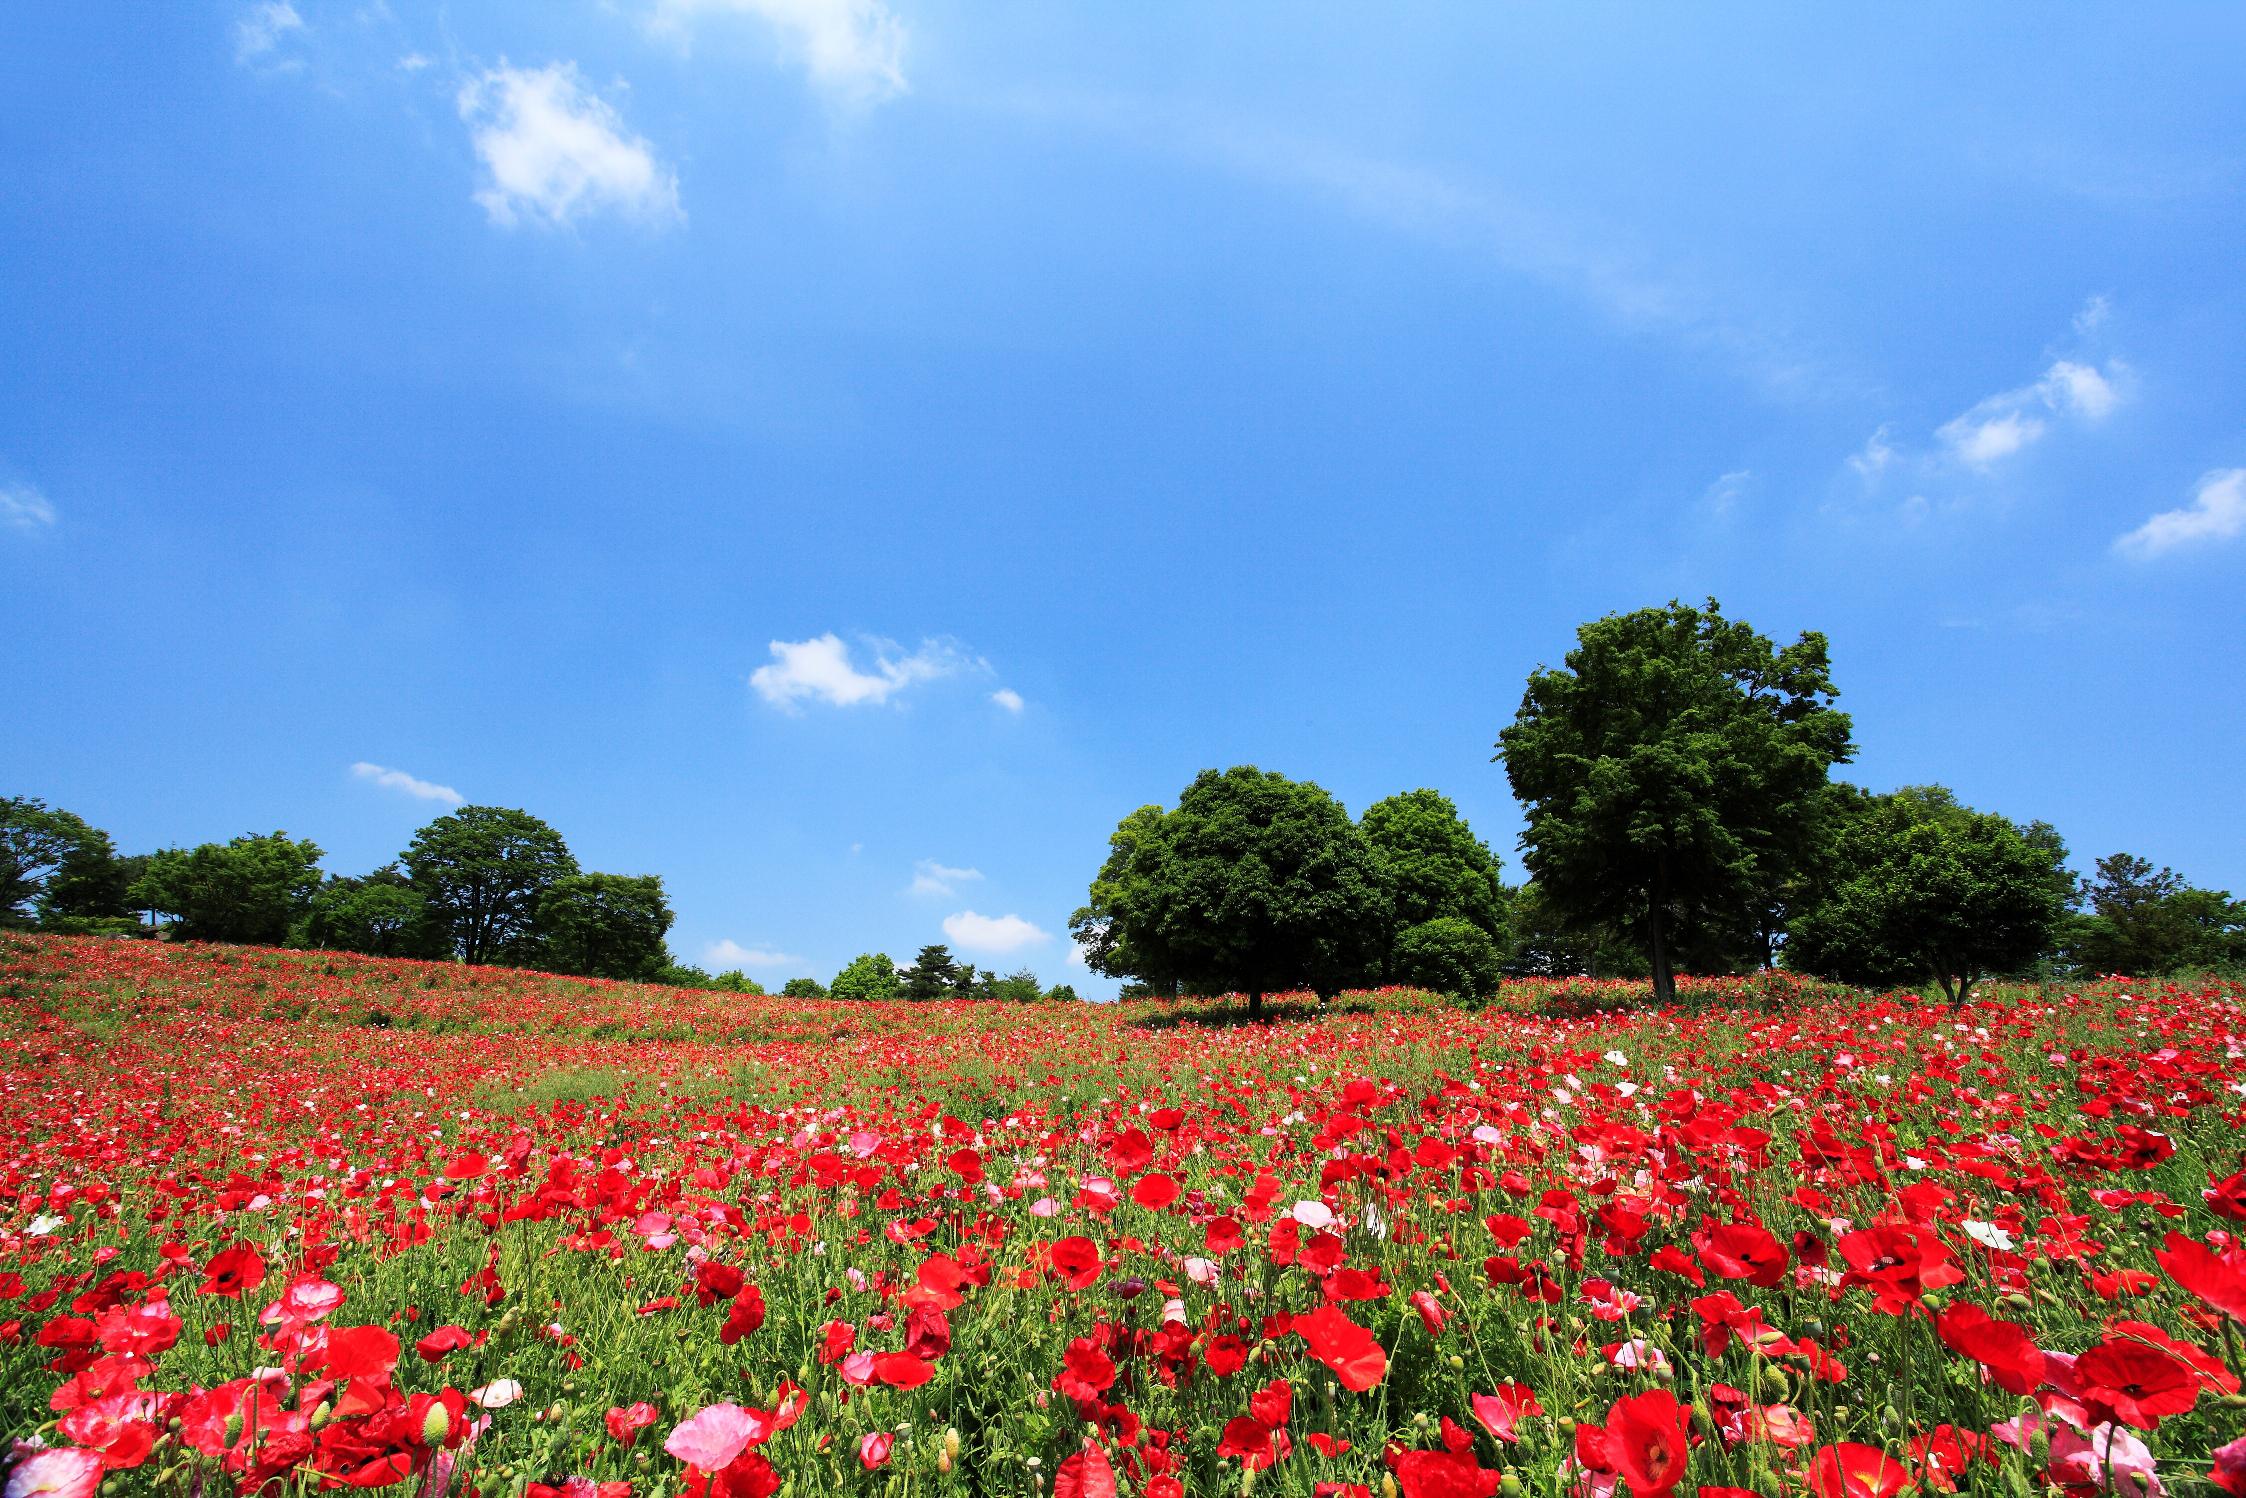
x: 843, y: 454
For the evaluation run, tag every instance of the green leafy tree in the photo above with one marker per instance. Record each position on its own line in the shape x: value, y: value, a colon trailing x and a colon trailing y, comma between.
x: 933, y: 975
x: 1924, y: 888
x: 1448, y: 954
x: 2145, y: 922
x: 1545, y: 945
x: 381, y: 915
x: 251, y: 890
x: 606, y: 926
x: 482, y: 871
x: 1018, y: 987
x: 1673, y: 774
x: 1061, y: 993
x: 870, y: 975
x: 1432, y: 866
x: 803, y: 988
x: 39, y: 845
x: 1254, y: 883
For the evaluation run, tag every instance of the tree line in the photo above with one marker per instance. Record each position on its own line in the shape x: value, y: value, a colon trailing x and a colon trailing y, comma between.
x: 1675, y: 772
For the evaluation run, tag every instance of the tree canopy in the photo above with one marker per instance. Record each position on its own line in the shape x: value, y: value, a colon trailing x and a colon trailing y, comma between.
x: 1432, y: 867
x: 1673, y: 773
x: 251, y: 890
x: 482, y: 871
x: 869, y: 975
x: 605, y: 926
x: 2146, y: 922
x: 1923, y: 887
x: 1254, y: 883
x: 39, y: 844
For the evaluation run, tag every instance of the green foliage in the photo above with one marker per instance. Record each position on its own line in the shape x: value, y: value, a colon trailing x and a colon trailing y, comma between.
x: 1061, y: 993
x: 1674, y: 776
x: 604, y: 926
x: 482, y: 871
x: 91, y: 884
x: 1449, y: 954
x: 381, y: 915
x: 870, y: 975
x: 39, y: 845
x: 2145, y: 922
x: 1018, y: 987
x: 686, y: 975
x: 933, y: 975
x: 251, y: 890
x: 1923, y: 888
x: 1431, y: 863
x: 1255, y: 883
x: 1546, y: 945
x: 803, y: 988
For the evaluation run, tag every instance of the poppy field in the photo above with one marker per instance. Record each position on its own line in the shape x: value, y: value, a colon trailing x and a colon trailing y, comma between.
x: 284, y: 1222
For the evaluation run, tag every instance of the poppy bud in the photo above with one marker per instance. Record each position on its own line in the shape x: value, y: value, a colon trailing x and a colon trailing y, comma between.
x: 1774, y: 1384
x: 1703, y: 1420
x: 436, y: 1425
x: 1509, y: 1486
x: 951, y: 1442
x: 322, y: 1415
x: 233, y: 1427
x: 2039, y: 1447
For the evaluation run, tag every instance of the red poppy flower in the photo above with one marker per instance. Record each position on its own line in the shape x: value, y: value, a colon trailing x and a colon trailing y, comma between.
x: 1648, y: 1440
x: 2005, y: 1349
x: 1852, y: 1471
x: 2138, y: 1384
x: 1743, y: 1251
x: 1075, y: 1261
x: 1085, y: 1475
x: 2218, y: 1279
x: 1352, y: 1352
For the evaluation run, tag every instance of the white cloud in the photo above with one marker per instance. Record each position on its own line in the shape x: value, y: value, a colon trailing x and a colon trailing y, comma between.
x: 258, y: 35
x: 2093, y: 315
x: 414, y: 62
x: 2217, y: 512
x: 2003, y: 424
x: 399, y: 780
x: 1007, y: 698
x: 1878, y: 451
x: 853, y: 48
x: 820, y: 669
x: 1725, y: 493
x: 932, y: 878
x: 731, y: 954
x: 987, y: 933
x: 554, y: 150
x: 25, y: 509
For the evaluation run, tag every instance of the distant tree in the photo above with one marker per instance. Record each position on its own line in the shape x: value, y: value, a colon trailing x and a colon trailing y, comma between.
x: 1545, y: 945
x: 1924, y: 888
x: 38, y: 845
x: 2145, y: 922
x: 1018, y: 987
x: 870, y: 975
x: 605, y: 926
x: 1254, y: 883
x: 381, y: 915
x: 1098, y: 935
x: 251, y: 890
x: 1061, y: 993
x: 1449, y: 954
x: 933, y: 975
x: 482, y: 871
x: 1432, y: 867
x: 1673, y: 773
x: 803, y: 988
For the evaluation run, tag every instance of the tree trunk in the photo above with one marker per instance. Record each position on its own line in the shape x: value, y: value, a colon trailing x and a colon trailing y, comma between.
x: 1664, y: 982
x: 1949, y: 989
x: 1255, y: 1004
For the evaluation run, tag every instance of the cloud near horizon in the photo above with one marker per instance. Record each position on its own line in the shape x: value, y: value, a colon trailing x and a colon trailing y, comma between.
x: 732, y: 954
x: 414, y: 786
x: 996, y: 934
x: 932, y: 878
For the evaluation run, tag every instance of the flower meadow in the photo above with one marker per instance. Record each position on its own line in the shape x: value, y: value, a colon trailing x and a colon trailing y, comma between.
x: 290, y: 1222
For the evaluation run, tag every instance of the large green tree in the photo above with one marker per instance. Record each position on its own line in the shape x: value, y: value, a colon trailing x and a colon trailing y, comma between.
x: 1432, y: 868
x: 482, y: 871
x: 380, y: 914
x: 605, y: 926
x: 1253, y: 883
x: 869, y: 975
x: 2144, y: 921
x: 1448, y: 954
x: 933, y: 975
x: 251, y: 890
x: 1924, y: 888
x: 1673, y: 773
x: 40, y: 844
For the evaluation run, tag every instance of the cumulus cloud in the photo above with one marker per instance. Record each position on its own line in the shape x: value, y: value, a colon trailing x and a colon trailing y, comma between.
x: 399, y: 780
x: 2217, y: 512
x: 991, y: 933
x: 855, y: 49
x: 261, y: 31
x: 2003, y: 424
x: 1007, y: 698
x: 820, y: 669
x: 23, y: 508
x: 731, y: 954
x: 932, y: 878
x: 553, y: 150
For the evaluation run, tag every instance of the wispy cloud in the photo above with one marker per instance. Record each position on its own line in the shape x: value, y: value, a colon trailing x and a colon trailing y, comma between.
x: 1722, y: 497
x: 23, y: 508
x: 992, y: 933
x: 261, y: 33
x: 932, y: 878
x: 2217, y: 512
x: 854, y: 49
x: 399, y: 780
x: 1007, y: 698
x: 729, y: 953
x: 554, y: 151
x: 821, y: 669
x: 2005, y: 423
